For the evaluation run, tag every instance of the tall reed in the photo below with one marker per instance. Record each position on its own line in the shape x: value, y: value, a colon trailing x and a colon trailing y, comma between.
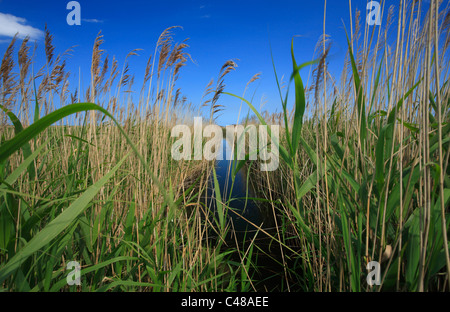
x: 96, y: 183
x: 365, y: 176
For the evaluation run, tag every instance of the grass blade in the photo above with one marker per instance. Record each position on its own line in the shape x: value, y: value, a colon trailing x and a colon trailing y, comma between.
x: 56, y: 226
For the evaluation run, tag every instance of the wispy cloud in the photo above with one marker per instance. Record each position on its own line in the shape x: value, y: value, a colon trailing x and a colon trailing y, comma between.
x: 91, y: 20
x: 202, y: 7
x: 10, y: 25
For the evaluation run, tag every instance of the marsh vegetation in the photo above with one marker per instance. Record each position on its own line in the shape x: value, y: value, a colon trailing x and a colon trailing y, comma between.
x: 363, y: 172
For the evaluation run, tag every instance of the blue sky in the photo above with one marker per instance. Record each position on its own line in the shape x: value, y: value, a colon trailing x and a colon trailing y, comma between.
x: 218, y: 31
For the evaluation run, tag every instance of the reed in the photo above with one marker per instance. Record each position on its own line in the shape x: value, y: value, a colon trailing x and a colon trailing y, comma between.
x: 363, y: 173
x: 95, y: 183
x: 365, y: 177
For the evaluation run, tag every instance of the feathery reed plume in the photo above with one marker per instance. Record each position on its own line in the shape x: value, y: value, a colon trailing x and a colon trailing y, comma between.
x: 147, y: 76
x: 130, y: 84
x: 357, y: 32
x: 42, y: 87
x: 208, y: 90
x: 112, y: 76
x: 446, y: 27
x: 7, y: 61
x: 179, y: 58
x: 147, y: 70
x: 64, y: 88
x: 7, y: 77
x: 175, y: 100
x: 95, y: 65
x: 24, y: 64
x: 6, y: 68
x: 166, y: 35
x: 165, y: 42
x: 133, y: 52
x: 49, y: 48
x: 125, y: 76
x: 160, y: 95
x: 321, y: 68
x: 389, y: 21
x: 88, y: 94
x: 224, y: 70
x: 57, y: 75
x: 254, y: 78
x: 74, y: 96
x: 163, y: 54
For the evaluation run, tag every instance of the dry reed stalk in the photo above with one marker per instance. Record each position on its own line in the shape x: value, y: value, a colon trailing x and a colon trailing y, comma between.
x: 440, y: 125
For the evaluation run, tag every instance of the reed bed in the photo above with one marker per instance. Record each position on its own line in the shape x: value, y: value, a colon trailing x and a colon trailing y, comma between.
x: 363, y: 173
x: 365, y: 177
x: 96, y: 183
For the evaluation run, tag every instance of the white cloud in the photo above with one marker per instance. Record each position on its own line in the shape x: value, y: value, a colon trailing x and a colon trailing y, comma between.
x: 11, y: 25
x: 91, y: 20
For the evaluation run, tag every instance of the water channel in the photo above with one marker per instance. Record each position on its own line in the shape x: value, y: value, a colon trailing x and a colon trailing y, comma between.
x: 244, y: 213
